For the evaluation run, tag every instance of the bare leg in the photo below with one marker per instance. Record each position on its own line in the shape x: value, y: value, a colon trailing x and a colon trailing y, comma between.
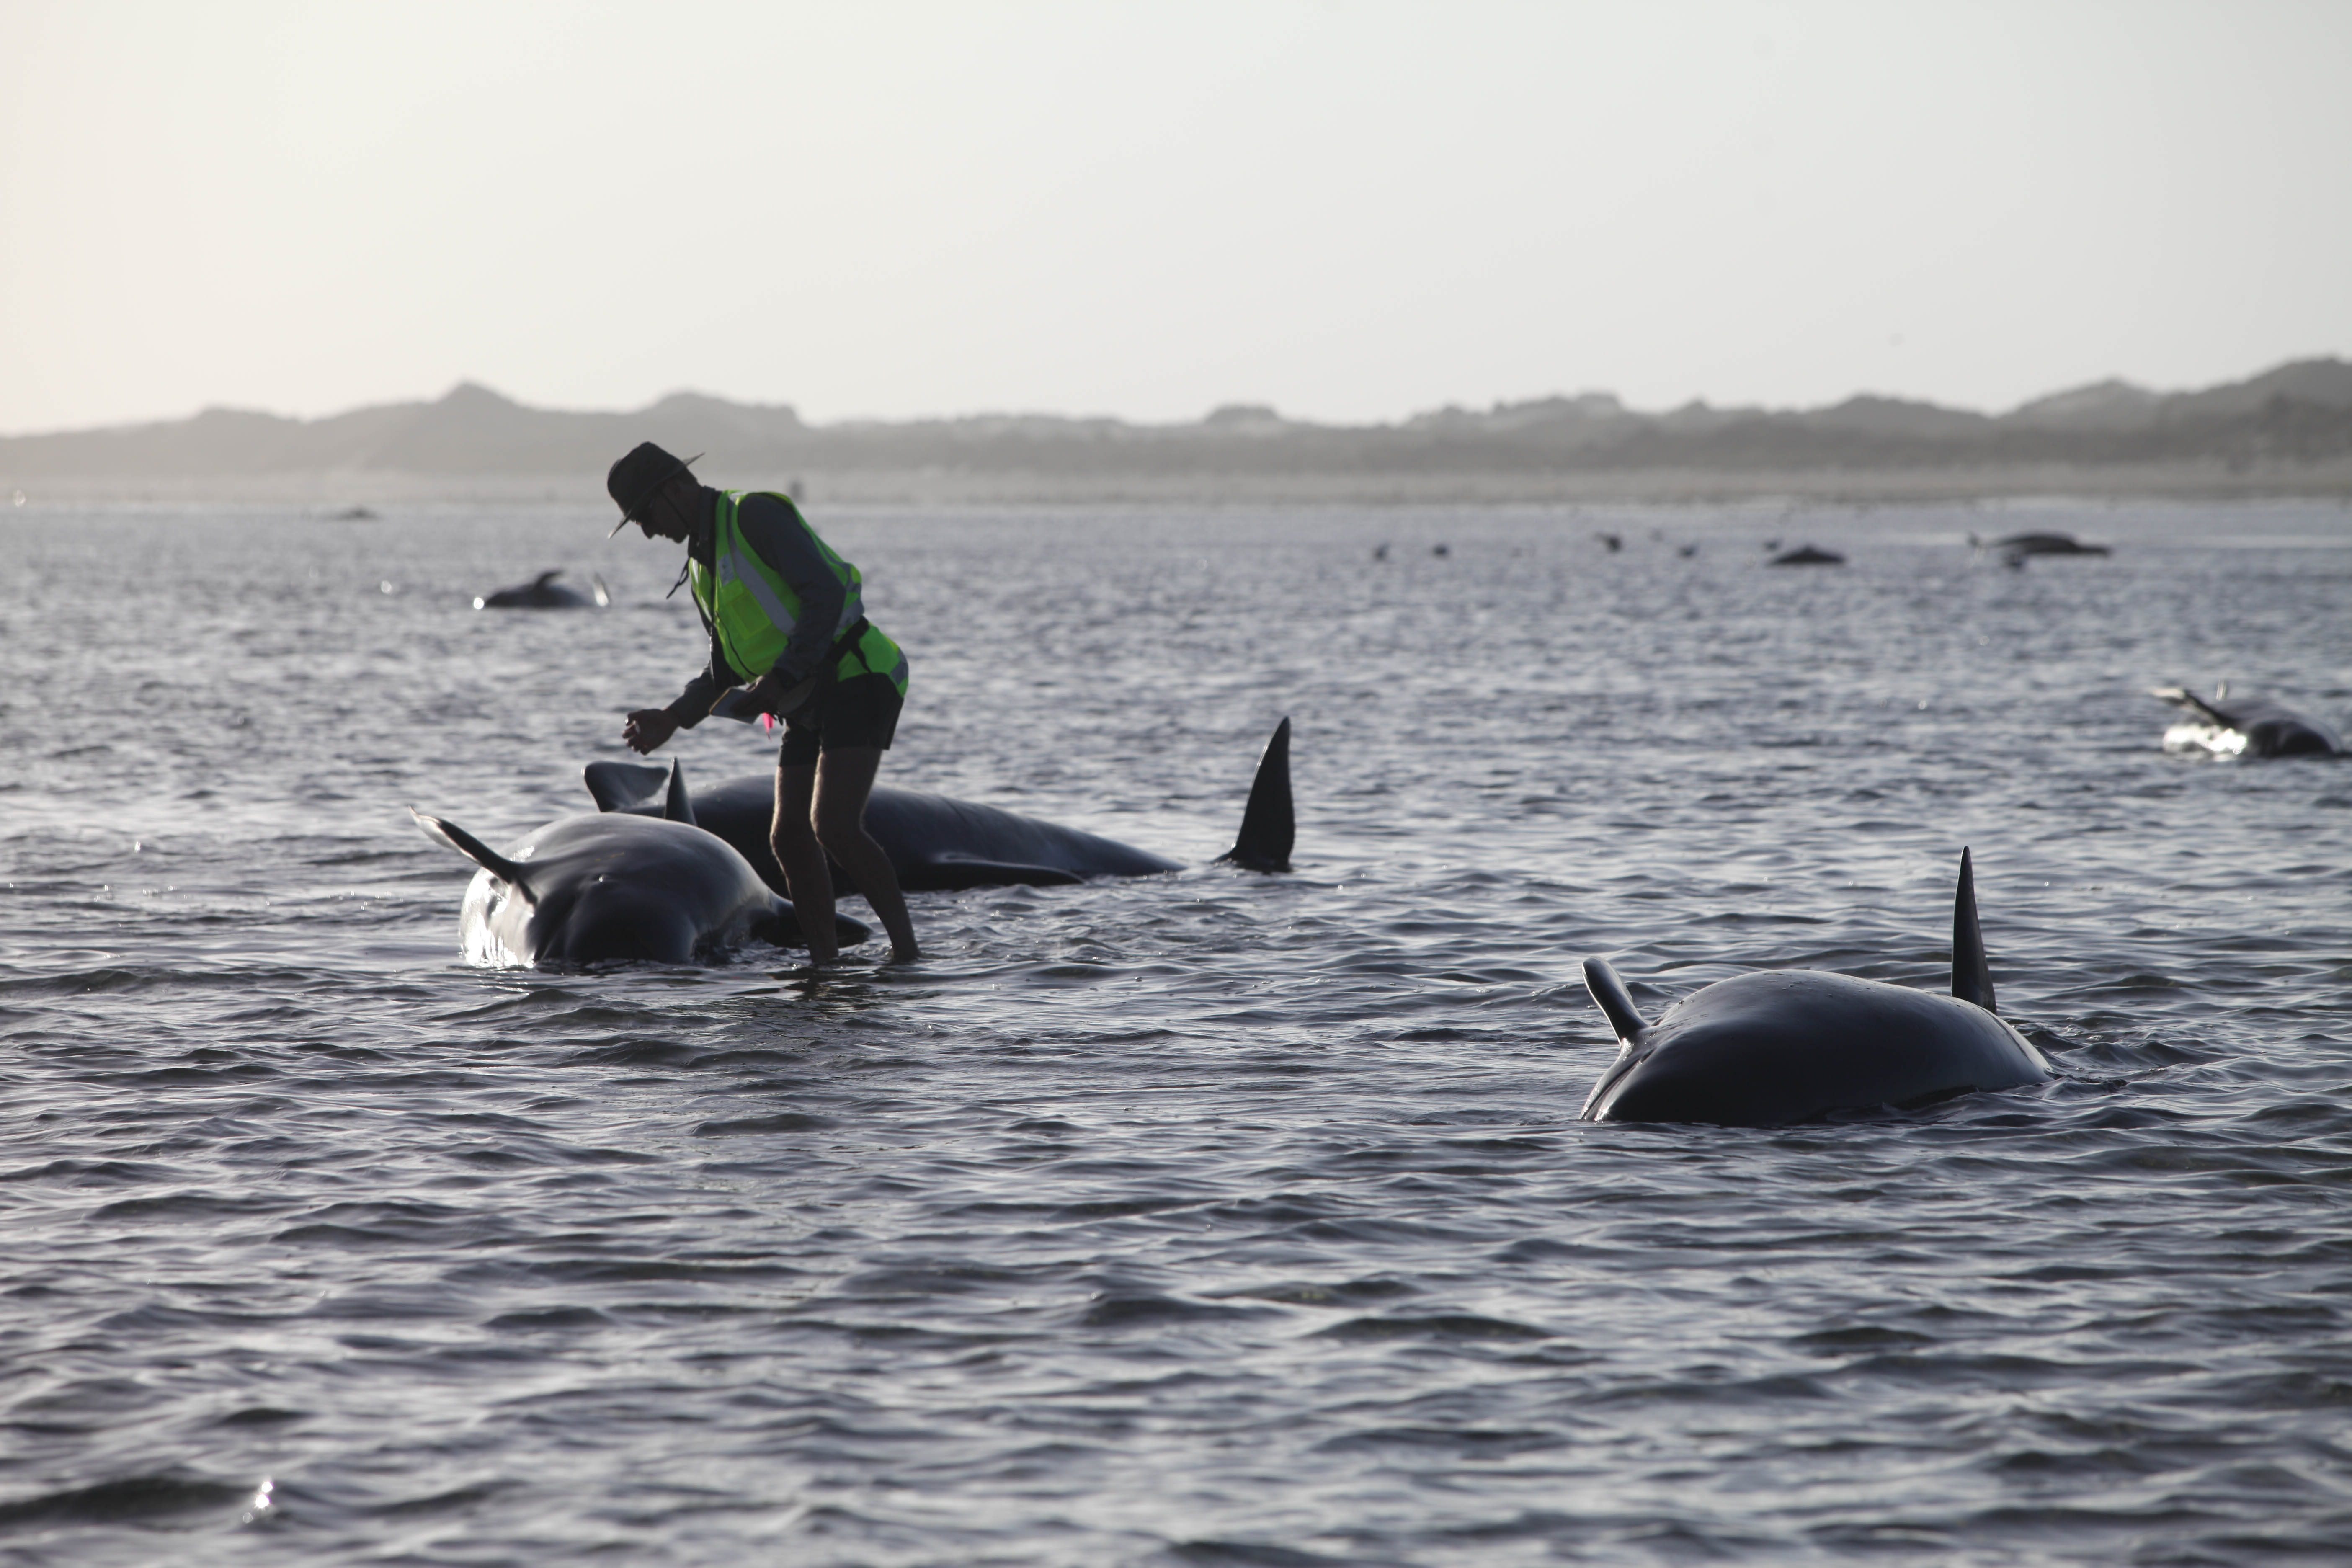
x: 844, y: 777
x: 794, y: 840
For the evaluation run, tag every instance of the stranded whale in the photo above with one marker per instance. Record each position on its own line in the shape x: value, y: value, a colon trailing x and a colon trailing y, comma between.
x: 544, y: 593
x: 1794, y: 1045
x: 582, y: 890
x: 937, y: 844
x: 2245, y: 726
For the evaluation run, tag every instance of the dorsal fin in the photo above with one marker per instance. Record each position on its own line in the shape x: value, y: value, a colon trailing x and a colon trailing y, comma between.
x: 1971, y: 977
x: 1268, y: 827
x: 544, y: 578
x: 1609, y: 994
x: 627, y: 786
x: 453, y: 837
x: 675, y: 806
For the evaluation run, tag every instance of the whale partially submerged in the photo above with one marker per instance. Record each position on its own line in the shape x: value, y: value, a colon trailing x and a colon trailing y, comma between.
x: 2245, y: 726
x: 939, y: 843
x: 1807, y: 555
x: 1796, y: 1044
x: 544, y: 593
x: 2016, y: 548
x: 590, y: 889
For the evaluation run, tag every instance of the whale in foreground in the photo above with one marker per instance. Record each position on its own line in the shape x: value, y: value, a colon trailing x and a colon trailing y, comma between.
x: 544, y: 593
x: 939, y: 843
x: 2246, y: 726
x: 1796, y: 1044
x: 592, y: 889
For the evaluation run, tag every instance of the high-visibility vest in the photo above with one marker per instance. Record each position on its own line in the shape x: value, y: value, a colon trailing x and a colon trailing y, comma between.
x: 753, y: 610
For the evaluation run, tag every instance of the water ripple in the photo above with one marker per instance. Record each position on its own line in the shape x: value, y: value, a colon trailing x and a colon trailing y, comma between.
x: 1203, y: 1218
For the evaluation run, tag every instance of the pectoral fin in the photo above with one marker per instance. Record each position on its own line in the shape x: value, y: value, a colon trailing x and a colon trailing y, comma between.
x: 1609, y: 994
x: 451, y: 836
x: 2182, y: 697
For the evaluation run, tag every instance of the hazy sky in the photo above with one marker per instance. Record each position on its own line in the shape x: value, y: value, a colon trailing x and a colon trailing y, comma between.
x: 1351, y: 210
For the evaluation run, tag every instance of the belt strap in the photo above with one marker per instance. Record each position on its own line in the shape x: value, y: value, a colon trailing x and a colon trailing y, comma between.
x: 846, y: 644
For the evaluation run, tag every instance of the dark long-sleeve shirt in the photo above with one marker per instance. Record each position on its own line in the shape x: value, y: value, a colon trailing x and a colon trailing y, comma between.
x: 778, y: 534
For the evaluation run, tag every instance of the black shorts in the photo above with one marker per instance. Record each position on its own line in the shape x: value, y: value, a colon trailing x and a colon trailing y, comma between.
x: 860, y: 712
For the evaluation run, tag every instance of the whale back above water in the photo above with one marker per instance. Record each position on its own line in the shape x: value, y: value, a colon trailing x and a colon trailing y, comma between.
x: 939, y: 843
x: 2016, y: 548
x: 1796, y: 1044
x: 588, y: 889
x: 2245, y: 725
x: 544, y: 593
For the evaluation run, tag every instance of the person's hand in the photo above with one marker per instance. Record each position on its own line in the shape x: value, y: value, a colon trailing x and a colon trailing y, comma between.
x: 771, y: 695
x: 648, y: 729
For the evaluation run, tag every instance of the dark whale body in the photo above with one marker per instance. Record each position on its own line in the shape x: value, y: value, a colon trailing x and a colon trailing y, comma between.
x: 588, y: 889
x: 939, y: 843
x: 1807, y: 555
x: 935, y: 843
x: 1795, y: 1045
x: 2246, y: 726
x: 2016, y: 548
x: 544, y: 593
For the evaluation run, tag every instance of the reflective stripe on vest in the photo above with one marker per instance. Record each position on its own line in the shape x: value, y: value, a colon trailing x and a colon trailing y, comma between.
x: 752, y: 609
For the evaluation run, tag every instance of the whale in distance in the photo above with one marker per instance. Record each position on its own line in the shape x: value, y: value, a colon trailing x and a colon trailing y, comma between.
x: 939, y: 843
x: 2245, y: 726
x: 2016, y: 548
x: 544, y: 593
x: 1795, y: 1045
x: 596, y: 889
x: 1807, y: 555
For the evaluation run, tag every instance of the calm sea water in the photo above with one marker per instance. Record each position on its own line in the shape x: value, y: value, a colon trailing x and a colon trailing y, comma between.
x: 1202, y: 1220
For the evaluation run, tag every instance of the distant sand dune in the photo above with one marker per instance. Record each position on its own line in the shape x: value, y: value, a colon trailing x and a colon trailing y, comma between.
x: 2285, y: 432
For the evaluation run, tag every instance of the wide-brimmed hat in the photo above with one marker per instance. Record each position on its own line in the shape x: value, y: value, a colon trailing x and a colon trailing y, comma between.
x: 632, y: 481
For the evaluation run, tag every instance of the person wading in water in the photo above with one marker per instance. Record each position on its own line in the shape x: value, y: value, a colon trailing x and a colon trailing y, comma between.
x: 784, y: 613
